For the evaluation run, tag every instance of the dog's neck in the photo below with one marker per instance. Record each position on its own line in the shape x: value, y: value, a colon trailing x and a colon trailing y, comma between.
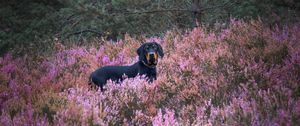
x: 145, y: 64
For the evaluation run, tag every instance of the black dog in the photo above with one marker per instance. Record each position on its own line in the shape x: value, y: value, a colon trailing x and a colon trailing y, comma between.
x: 148, y: 57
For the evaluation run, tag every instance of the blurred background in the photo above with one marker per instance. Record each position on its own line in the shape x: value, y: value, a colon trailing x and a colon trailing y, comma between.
x: 36, y: 25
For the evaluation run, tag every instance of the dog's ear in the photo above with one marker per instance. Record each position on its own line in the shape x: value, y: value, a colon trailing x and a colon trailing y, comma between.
x: 160, y: 50
x: 139, y: 51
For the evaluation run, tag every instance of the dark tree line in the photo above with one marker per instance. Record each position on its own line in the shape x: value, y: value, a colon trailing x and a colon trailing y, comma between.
x: 37, y: 24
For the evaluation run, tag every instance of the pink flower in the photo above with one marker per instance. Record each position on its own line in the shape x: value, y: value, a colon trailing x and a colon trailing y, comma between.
x: 105, y: 60
x: 166, y: 119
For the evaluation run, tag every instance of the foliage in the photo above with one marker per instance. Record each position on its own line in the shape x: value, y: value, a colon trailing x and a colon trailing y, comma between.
x: 33, y: 26
x: 28, y: 25
x: 248, y: 74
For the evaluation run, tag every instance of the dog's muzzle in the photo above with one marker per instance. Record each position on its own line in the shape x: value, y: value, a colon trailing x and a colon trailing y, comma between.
x: 152, y: 58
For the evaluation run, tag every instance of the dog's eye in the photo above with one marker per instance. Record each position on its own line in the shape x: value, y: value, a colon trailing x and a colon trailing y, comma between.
x: 147, y: 47
x: 154, y: 47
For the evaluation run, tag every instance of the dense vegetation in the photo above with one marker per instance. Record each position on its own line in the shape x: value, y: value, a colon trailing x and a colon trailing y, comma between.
x: 34, y: 25
x: 227, y: 62
x: 248, y: 74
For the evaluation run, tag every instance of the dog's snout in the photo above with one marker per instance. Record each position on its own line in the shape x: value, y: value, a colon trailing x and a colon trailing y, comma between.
x: 151, y: 53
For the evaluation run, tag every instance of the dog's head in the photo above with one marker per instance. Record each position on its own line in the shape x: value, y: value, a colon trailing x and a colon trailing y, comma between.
x: 149, y: 52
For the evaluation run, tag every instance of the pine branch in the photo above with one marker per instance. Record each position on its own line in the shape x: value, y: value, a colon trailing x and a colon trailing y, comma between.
x: 173, y: 10
x: 84, y: 31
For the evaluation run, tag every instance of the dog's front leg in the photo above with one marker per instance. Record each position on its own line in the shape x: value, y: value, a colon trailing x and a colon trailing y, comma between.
x: 151, y: 79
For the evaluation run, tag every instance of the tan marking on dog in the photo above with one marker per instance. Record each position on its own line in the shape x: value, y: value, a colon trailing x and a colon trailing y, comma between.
x: 148, y: 57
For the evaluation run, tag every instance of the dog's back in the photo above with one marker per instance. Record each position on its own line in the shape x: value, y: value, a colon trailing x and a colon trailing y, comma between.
x: 114, y: 73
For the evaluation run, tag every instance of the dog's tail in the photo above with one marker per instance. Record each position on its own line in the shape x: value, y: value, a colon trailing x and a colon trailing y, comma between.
x: 90, y: 81
x: 91, y: 84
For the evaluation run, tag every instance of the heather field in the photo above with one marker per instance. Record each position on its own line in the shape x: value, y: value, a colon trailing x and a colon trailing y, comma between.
x: 246, y: 74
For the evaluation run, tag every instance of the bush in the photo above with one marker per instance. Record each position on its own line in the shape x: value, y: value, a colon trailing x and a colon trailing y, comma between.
x: 33, y: 26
